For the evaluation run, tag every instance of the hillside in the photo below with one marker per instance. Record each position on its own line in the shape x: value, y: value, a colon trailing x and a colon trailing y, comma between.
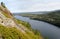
x: 12, y: 28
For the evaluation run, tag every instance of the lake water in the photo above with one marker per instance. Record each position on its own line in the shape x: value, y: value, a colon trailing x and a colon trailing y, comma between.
x: 46, y: 29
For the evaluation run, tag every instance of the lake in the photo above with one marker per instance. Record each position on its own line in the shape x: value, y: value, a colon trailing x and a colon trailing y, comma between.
x: 46, y: 29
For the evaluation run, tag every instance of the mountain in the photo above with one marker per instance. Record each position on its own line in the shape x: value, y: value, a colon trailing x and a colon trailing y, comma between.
x: 12, y: 28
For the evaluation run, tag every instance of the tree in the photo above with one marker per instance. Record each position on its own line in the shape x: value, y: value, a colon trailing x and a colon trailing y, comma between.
x: 3, y: 5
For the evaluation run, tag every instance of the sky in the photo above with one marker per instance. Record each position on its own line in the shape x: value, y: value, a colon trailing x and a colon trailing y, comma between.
x: 31, y: 5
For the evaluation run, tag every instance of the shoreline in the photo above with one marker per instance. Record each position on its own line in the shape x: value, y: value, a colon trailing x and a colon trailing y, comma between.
x: 46, y: 21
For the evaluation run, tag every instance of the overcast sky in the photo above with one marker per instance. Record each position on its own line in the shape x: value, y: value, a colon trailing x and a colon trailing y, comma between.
x: 31, y: 5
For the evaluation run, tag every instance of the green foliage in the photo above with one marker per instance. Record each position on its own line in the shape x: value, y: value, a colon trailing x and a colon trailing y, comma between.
x: 36, y: 32
x: 26, y: 24
x: 46, y: 37
x: 13, y: 33
x: 8, y: 33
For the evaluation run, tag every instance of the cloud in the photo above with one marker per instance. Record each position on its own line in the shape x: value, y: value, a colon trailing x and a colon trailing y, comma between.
x: 43, y: 7
x: 31, y: 5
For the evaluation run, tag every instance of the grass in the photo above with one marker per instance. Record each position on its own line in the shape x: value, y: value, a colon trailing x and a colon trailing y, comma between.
x: 26, y: 24
x: 13, y: 33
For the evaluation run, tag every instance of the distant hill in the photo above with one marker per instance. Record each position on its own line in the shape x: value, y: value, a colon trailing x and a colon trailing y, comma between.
x: 38, y: 12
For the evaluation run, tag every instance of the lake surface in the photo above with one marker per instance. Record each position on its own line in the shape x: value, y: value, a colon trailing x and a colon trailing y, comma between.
x: 46, y: 29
